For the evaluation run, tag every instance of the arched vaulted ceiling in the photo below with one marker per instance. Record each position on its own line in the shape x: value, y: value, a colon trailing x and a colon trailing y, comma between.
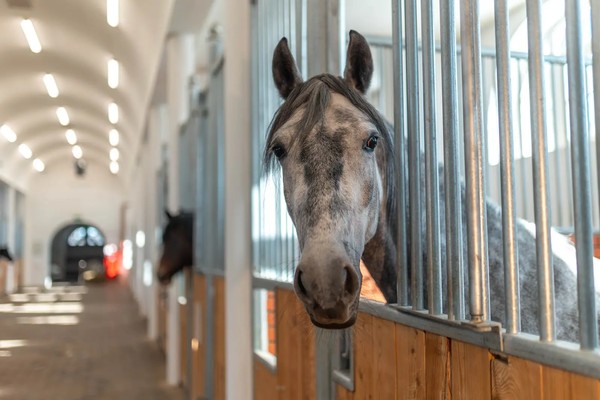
x: 77, y: 44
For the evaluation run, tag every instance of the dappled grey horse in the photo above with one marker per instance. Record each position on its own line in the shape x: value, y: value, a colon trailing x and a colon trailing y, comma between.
x: 336, y: 155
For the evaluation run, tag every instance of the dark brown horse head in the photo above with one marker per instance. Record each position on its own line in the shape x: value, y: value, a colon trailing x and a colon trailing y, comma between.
x: 325, y: 139
x: 178, y: 245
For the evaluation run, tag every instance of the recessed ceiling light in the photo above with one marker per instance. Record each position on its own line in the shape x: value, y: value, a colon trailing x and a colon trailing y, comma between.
x: 8, y: 133
x: 77, y: 152
x: 25, y: 151
x: 113, y: 113
x: 51, y: 86
x: 63, y: 116
x: 71, y: 136
x: 113, y: 137
x: 113, y: 73
x: 114, y: 167
x: 114, y: 154
x: 31, y: 36
x: 38, y: 165
x: 112, y: 13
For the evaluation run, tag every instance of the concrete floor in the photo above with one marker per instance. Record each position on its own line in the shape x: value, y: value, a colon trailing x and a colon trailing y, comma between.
x: 78, y: 343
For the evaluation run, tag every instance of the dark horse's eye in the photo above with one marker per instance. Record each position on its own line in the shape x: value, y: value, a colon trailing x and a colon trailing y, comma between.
x: 278, y: 151
x: 371, y: 143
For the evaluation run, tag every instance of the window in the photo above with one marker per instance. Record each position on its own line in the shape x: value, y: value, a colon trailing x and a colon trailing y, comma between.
x: 265, y: 332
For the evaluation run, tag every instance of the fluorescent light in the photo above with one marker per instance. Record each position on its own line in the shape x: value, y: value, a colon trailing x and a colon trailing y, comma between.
x: 8, y: 133
x: 38, y: 165
x: 113, y: 113
x: 31, y: 36
x: 114, y: 167
x: 112, y: 12
x: 114, y: 154
x: 71, y: 136
x: 77, y: 152
x: 25, y: 151
x: 51, y: 85
x: 113, y: 137
x: 113, y: 73
x: 63, y: 116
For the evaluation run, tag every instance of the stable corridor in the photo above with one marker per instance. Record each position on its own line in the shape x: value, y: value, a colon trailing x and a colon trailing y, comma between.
x: 78, y: 343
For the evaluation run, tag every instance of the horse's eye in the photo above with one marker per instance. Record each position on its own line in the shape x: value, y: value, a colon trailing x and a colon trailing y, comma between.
x: 371, y: 143
x: 278, y: 151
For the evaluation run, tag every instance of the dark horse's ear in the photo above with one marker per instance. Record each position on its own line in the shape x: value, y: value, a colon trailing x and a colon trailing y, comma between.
x: 168, y: 214
x: 285, y: 71
x: 359, y: 63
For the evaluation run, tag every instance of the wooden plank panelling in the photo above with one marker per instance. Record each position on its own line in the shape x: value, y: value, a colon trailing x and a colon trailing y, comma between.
x: 199, y: 326
x: 558, y: 385
x: 470, y: 375
x: 437, y: 366
x: 583, y: 387
x: 384, y: 358
x: 516, y: 378
x: 295, y: 348
x: 410, y: 365
x: 265, y: 382
x: 219, y: 339
x: 183, y: 344
x: 363, y: 359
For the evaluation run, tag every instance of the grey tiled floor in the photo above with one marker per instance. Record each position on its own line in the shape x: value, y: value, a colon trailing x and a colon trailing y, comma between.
x: 71, y: 345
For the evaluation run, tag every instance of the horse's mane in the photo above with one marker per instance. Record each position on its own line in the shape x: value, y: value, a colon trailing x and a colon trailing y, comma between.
x: 314, y: 96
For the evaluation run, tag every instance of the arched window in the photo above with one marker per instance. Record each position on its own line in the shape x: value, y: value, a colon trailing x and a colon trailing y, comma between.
x: 85, y: 236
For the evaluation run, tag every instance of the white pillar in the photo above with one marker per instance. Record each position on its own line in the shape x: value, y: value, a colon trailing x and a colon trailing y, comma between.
x: 180, y: 65
x: 238, y: 169
x: 12, y: 218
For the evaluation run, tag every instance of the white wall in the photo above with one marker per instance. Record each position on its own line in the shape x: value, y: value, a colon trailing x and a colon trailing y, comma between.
x: 55, y: 198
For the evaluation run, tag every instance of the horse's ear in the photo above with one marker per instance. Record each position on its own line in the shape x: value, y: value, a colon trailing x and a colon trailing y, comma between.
x: 285, y: 71
x: 168, y: 214
x: 359, y: 63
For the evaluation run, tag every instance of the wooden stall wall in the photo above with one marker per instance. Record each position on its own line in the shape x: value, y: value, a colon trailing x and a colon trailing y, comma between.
x: 162, y: 318
x: 392, y: 361
x: 295, y: 375
x: 199, y: 352
x: 3, y: 273
x: 219, y: 339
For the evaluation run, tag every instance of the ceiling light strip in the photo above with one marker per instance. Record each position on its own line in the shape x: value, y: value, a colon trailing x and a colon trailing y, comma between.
x: 8, y: 133
x: 112, y: 13
x: 113, y: 73
x: 51, y: 86
x: 63, y: 116
x: 31, y: 35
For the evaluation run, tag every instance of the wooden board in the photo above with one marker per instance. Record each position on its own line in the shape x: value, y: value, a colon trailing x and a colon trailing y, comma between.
x: 219, y: 339
x: 265, y: 382
x: 516, y: 378
x: 410, y: 366
x: 199, y: 360
x: 437, y: 366
x: 558, y: 385
x: 470, y: 375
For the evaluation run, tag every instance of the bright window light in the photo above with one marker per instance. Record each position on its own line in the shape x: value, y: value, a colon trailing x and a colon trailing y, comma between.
x: 63, y: 116
x: 114, y: 154
x: 38, y: 165
x: 113, y: 137
x: 8, y: 133
x: 31, y: 36
x: 112, y: 13
x: 114, y: 167
x: 25, y: 151
x: 51, y: 86
x: 113, y: 73
x: 77, y: 152
x: 140, y: 239
x: 71, y: 137
x: 113, y: 113
x: 127, y: 254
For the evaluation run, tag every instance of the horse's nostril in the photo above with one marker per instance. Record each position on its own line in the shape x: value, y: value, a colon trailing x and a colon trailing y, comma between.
x: 350, y: 280
x: 301, y: 286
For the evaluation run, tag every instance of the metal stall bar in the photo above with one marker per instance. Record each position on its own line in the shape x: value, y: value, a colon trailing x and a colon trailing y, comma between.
x: 454, y: 253
x: 507, y: 173
x: 582, y: 188
x: 474, y: 158
x: 434, y: 271
x: 414, y: 150
x: 540, y: 173
x: 400, y: 149
x: 596, y: 73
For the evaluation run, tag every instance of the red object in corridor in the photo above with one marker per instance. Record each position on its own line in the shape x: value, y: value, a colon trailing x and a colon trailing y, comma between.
x: 112, y: 264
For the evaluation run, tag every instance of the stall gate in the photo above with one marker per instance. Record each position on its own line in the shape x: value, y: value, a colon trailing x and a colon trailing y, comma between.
x: 501, y: 120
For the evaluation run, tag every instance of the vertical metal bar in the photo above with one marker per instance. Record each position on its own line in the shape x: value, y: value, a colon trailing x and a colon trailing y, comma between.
x: 582, y: 188
x: 400, y: 149
x: 507, y: 172
x: 474, y: 158
x: 414, y: 153
x: 454, y: 253
x: 595, y: 6
x: 540, y: 172
x: 434, y: 272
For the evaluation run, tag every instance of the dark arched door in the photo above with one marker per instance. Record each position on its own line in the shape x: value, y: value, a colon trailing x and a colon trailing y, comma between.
x: 77, y: 253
